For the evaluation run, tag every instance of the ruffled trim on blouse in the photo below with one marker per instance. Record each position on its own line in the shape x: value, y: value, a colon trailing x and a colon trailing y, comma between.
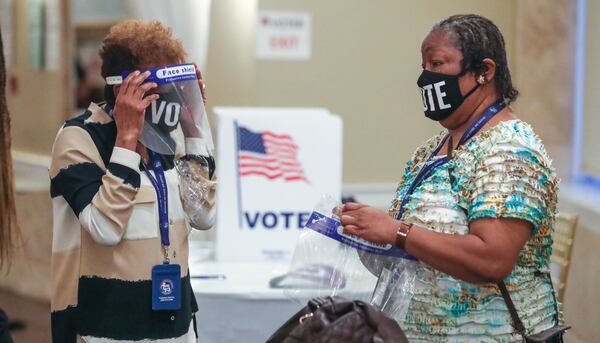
x: 505, y: 172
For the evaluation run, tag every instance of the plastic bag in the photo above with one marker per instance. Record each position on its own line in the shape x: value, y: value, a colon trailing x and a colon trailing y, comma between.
x: 196, y: 187
x: 328, y: 262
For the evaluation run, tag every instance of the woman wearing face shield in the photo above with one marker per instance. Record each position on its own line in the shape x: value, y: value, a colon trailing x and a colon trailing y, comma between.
x: 476, y: 203
x: 130, y: 178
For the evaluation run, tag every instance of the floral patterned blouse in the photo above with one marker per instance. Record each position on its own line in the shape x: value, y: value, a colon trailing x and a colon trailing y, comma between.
x: 503, y: 172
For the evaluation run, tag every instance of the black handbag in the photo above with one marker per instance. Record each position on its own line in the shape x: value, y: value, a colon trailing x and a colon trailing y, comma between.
x: 552, y: 335
x: 335, y: 319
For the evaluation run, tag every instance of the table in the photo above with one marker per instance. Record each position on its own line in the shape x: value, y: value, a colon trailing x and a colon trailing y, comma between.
x: 235, y: 301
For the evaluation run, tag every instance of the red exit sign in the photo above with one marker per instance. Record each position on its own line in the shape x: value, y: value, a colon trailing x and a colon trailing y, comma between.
x: 284, y: 42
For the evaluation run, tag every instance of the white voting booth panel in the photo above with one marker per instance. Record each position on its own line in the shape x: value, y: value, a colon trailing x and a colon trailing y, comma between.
x: 274, y: 165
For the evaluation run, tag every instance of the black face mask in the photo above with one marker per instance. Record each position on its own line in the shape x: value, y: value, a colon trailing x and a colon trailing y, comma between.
x: 165, y: 112
x: 441, y: 94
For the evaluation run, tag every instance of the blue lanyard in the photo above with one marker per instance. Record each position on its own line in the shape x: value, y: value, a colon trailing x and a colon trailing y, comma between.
x: 429, y: 168
x: 160, y: 185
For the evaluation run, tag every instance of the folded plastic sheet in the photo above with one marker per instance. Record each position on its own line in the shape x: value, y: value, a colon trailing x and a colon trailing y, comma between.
x: 329, y: 262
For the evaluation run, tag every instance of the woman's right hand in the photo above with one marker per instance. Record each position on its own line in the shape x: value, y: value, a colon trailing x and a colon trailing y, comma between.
x: 130, y: 105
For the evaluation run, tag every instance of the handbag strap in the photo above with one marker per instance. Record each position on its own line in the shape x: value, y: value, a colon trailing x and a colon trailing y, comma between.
x: 518, y: 324
x: 556, y: 316
x: 511, y: 308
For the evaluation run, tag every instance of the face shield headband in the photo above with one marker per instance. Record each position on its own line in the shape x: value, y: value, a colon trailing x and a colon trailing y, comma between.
x: 178, y: 111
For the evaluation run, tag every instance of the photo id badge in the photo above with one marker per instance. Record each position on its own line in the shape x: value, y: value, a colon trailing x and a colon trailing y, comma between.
x: 166, y: 287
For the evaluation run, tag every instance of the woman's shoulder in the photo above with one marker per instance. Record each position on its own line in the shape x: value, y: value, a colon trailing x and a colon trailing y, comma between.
x: 89, y: 135
x: 511, y: 137
x: 506, y: 172
x: 510, y: 150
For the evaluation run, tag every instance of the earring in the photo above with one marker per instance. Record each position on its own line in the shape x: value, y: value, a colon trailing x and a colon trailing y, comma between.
x: 481, y: 79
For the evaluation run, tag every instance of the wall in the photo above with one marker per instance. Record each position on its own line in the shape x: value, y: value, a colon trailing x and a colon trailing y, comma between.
x: 545, y: 58
x: 366, y: 60
x: 365, y: 64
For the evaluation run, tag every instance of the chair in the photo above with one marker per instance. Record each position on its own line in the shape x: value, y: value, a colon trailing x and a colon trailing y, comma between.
x: 561, y: 253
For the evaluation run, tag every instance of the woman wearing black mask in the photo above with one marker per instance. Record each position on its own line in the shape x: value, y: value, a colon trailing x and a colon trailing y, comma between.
x: 476, y: 203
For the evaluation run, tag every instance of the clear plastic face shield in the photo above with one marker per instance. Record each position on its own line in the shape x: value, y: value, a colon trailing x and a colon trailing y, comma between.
x: 178, y: 112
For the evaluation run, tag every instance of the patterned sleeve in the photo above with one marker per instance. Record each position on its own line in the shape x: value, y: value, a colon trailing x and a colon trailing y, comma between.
x: 512, y: 178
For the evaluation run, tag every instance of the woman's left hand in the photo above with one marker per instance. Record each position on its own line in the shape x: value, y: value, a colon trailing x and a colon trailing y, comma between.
x: 369, y: 223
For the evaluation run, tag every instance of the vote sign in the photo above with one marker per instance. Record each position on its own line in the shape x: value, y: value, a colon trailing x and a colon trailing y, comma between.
x: 274, y: 166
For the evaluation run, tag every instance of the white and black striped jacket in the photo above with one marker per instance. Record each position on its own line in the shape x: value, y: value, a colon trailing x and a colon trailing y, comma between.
x: 106, y: 237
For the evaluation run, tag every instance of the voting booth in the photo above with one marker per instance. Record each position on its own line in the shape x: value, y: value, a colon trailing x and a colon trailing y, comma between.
x: 273, y: 166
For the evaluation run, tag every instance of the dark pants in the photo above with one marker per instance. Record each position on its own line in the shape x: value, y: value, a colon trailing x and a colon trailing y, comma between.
x: 4, y: 333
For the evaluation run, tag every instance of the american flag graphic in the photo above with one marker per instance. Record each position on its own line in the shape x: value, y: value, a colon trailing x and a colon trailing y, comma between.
x: 269, y: 155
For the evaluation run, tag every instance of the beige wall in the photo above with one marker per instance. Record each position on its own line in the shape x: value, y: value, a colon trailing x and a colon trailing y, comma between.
x: 365, y: 63
x: 41, y: 103
x: 544, y: 57
x: 364, y: 67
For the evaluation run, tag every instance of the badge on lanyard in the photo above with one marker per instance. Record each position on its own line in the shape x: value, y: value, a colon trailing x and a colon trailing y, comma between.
x: 166, y: 277
x: 166, y: 287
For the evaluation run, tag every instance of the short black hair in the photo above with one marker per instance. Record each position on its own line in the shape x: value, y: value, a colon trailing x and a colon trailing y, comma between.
x: 478, y: 38
x: 114, y: 61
